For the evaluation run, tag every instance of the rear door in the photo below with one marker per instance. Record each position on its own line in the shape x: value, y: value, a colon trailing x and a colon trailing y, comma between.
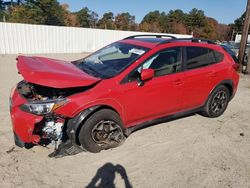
x: 200, y: 75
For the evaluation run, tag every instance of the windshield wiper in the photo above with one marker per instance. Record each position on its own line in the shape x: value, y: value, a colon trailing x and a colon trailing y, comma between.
x: 88, y: 69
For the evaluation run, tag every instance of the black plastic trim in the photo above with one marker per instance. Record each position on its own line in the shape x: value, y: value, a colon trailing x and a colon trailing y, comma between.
x: 230, y: 82
x: 196, y: 40
x: 152, y: 35
x: 163, y: 119
x: 73, y: 125
x: 18, y: 141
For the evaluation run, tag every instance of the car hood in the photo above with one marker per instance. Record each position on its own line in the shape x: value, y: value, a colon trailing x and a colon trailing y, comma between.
x: 53, y: 73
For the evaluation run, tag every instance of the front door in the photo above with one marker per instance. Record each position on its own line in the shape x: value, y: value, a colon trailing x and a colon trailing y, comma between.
x: 157, y: 97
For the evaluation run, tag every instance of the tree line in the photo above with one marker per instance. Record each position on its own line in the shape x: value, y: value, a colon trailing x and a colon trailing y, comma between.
x: 51, y: 12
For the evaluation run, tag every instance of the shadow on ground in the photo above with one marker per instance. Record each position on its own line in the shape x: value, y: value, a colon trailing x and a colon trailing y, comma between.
x: 106, y: 174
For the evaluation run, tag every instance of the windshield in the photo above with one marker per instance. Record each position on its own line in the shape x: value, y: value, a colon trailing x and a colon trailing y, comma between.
x: 111, y: 60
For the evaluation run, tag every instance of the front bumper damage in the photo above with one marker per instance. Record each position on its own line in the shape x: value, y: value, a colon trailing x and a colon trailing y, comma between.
x: 23, y: 123
x: 30, y: 129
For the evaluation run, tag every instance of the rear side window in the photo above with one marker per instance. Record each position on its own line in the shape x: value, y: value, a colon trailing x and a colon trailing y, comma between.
x: 218, y: 56
x: 199, y: 57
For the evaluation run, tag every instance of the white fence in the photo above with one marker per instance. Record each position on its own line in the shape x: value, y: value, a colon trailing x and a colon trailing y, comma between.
x: 29, y: 39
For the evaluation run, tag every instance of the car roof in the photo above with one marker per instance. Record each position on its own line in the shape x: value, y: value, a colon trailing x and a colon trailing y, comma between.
x: 151, y: 41
x: 144, y: 42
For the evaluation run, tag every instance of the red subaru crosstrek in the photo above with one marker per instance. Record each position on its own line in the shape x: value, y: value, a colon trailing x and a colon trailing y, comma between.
x: 94, y: 103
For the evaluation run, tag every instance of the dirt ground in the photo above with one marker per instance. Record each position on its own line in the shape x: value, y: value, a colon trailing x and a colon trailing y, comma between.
x: 190, y: 152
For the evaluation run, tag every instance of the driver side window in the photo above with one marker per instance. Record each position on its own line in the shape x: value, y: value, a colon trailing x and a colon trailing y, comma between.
x: 165, y: 62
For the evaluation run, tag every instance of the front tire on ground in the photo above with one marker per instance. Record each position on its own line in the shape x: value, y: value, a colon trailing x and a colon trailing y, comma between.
x: 102, y: 130
x: 217, y: 102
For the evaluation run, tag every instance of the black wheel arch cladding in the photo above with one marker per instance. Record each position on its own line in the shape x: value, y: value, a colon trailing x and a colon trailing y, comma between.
x: 74, y: 125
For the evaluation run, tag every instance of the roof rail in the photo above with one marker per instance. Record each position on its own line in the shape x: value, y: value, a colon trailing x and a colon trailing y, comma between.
x: 198, y: 40
x: 151, y: 35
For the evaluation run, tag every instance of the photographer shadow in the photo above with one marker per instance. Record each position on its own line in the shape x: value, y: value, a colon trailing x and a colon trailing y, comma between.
x: 105, y: 176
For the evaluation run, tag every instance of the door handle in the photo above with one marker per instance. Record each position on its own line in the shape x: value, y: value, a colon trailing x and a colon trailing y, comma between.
x: 178, y: 82
x: 212, y: 74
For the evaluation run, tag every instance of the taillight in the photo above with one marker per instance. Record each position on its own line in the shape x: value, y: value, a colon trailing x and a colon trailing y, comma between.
x: 236, y: 66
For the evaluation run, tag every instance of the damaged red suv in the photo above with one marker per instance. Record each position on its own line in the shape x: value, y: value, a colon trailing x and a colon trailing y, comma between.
x: 94, y: 103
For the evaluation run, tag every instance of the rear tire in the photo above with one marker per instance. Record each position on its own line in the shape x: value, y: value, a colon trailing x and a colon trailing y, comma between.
x: 101, y: 131
x: 217, y: 102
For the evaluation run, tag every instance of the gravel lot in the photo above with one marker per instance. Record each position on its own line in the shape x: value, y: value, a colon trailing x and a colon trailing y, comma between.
x: 190, y: 152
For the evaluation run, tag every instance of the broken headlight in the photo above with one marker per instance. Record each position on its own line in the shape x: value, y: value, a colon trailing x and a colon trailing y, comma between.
x: 42, y: 108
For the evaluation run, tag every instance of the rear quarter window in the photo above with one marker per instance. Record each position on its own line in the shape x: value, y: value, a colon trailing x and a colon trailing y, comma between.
x: 218, y: 56
x: 200, y: 56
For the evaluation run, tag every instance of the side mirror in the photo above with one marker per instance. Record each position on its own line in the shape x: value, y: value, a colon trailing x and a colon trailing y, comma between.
x: 147, y: 74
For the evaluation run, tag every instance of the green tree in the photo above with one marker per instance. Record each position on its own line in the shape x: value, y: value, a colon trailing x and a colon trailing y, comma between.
x: 87, y: 18
x: 125, y: 21
x: 196, y: 21
x: 4, y: 9
x: 70, y: 18
x: 1, y: 5
x: 238, y: 23
x: 175, y: 22
x: 83, y: 17
x: 93, y: 19
x: 196, y: 18
x: 151, y: 17
x: 48, y: 12
x: 26, y: 13
x: 107, y: 21
x: 177, y: 16
x: 210, y: 29
x: 52, y: 12
x: 1, y: 10
x: 154, y: 22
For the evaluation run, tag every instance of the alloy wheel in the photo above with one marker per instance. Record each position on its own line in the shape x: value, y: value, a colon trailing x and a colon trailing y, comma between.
x: 107, y: 133
x: 219, y: 102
